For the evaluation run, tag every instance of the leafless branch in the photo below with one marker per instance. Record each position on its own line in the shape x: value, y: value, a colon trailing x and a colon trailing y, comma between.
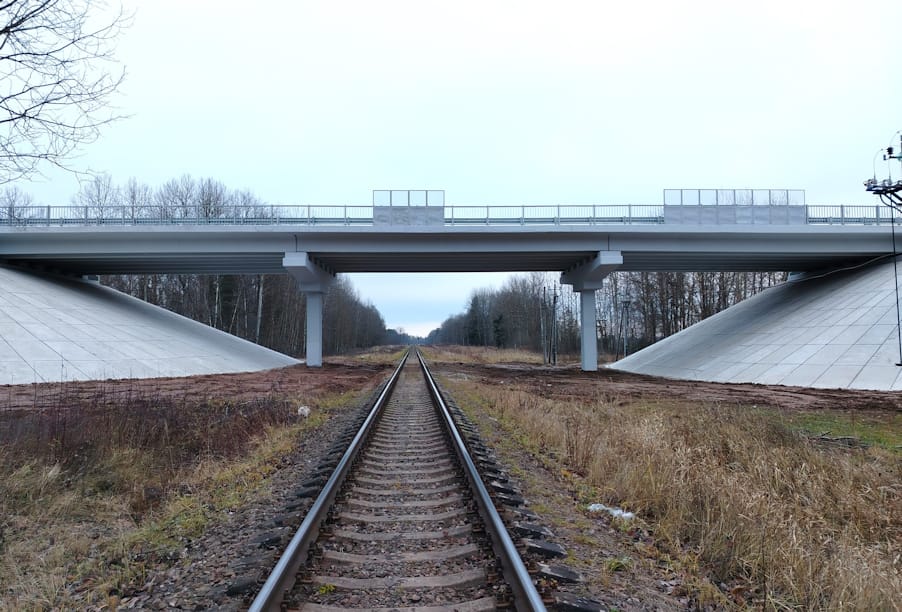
x: 57, y: 75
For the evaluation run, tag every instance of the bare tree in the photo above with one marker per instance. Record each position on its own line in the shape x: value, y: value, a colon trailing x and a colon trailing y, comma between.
x: 15, y: 204
x: 98, y: 198
x: 176, y: 198
x: 213, y: 199
x: 57, y: 74
x: 138, y: 198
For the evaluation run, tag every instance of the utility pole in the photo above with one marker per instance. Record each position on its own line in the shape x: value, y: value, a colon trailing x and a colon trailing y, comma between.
x: 542, y: 328
x: 554, y: 328
x: 890, y: 194
x: 548, y: 326
x: 624, y: 322
x: 259, y: 309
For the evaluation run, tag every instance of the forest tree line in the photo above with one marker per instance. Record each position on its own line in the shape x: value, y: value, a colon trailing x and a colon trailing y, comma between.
x: 633, y: 310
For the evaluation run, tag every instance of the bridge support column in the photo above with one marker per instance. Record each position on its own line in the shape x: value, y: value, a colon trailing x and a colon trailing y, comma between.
x: 588, y: 335
x: 586, y: 278
x: 314, y: 329
x: 313, y: 280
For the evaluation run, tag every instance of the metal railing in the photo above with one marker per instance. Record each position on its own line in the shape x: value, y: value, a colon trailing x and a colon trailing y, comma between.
x: 159, y: 215
x: 348, y: 215
x: 850, y: 215
x: 559, y: 214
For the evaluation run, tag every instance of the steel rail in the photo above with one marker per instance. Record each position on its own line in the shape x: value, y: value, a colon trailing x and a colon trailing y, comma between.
x: 526, y: 597
x: 285, y: 572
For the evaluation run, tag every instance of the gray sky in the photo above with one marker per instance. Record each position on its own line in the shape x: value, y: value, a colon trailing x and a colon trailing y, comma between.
x: 502, y: 103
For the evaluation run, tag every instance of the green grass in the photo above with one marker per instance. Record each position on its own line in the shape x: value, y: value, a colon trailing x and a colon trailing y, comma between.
x: 874, y: 430
x: 617, y: 564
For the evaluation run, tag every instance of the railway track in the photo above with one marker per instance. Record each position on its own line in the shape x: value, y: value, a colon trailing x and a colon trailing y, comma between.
x: 404, y: 522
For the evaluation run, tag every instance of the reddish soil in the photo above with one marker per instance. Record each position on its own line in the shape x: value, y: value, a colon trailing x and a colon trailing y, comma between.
x: 336, y: 376
x: 569, y: 381
x: 342, y: 374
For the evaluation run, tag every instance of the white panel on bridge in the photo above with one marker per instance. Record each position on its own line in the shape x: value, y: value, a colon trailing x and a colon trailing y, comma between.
x: 834, y: 331
x: 57, y: 329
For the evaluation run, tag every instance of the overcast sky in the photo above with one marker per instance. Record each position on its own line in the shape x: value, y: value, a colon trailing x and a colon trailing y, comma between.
x: 502, y: 103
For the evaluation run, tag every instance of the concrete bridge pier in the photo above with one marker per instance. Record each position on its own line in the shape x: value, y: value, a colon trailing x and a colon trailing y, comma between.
x: 314, y: 326
x: 313, y: 279
x: 586, y: 278
x: 588, y: 341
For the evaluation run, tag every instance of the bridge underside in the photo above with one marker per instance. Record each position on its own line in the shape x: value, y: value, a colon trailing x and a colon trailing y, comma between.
x: 422, y: 261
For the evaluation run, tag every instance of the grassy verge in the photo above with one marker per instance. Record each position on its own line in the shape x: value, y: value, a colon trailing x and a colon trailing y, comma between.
x: 777, y: 520
x: 481, y: 355
x: 93, y: 495
x: 861, y: 428
x: 383, y: 355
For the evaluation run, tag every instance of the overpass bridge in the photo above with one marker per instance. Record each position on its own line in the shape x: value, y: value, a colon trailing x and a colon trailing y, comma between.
x: 314, y: 243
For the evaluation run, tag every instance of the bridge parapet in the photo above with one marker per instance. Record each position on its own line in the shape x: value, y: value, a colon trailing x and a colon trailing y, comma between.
x: 734, y: 197
x: 736, y: 214
x: 432, y: 216
x: 408, y: 215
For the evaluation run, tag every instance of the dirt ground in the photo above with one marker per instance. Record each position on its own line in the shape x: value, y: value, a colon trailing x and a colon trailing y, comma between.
x: 342, y: 373
x: 336, y: 376
x: 594, y: 543
x: 567, y: 380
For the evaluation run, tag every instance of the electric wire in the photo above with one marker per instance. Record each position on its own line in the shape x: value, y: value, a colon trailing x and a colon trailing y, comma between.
x: 802, y: 279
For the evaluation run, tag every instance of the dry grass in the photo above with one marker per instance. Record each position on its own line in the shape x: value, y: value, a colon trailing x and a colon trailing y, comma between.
x: 388, y: 355
x: 93, y: 494
x: 481, y: 355
x: 785, y: 523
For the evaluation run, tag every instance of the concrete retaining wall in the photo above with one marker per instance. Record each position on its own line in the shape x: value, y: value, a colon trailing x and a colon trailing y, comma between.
x: 837, y: 330
x: 56, y: 329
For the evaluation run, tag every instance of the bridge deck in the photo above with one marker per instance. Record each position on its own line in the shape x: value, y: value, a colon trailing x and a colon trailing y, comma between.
x: 108, y: 249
